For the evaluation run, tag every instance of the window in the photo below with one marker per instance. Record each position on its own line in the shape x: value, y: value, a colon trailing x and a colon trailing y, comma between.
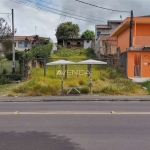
x: 78, y: 43
x: 87, y: 41
x: 98, y: 33
x: 22, y: 44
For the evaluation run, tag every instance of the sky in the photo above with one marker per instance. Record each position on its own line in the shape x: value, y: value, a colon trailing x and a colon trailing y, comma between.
x: 29, y: 19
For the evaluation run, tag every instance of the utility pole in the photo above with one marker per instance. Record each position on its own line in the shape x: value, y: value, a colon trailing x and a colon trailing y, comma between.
x: 13, y: 45
x: 131, y: 30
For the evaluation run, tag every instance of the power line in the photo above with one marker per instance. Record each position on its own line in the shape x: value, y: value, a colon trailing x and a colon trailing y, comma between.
x: 71, y: 10
x: 5, y: 13
x: 19, y: 2
x: 100, y: 7
x: 28, y: 3
x: 64, y: 11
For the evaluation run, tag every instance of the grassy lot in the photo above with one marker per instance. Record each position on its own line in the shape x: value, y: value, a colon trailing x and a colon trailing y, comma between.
x: 106, y: 80
x: 103, y: 83
x: 147, y: 85
x: 5, y: 89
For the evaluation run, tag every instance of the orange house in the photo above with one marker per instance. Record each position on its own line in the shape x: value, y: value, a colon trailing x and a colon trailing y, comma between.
x: 138, y: 56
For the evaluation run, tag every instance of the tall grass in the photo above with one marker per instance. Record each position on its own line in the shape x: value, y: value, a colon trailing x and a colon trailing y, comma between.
x: 38, y: 85
x: 106, y: 80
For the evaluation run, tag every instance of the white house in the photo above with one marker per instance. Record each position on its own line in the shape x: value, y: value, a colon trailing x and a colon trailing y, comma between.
x: 22, y: 45
x: 77, y: 42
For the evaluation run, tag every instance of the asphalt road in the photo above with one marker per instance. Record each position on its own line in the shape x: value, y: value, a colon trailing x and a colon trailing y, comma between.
x: 75, y: 106
x: 83, y: 131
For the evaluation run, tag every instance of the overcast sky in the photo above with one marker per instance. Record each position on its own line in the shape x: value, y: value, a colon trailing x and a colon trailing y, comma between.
x: 26, y: 17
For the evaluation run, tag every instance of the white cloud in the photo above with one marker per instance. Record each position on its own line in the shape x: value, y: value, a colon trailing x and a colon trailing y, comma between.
x: 26, y: 18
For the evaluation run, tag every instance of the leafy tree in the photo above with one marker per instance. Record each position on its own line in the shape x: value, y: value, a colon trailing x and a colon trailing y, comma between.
x: 5, y: 34
x: 88, y: 34
x: 67, y: 30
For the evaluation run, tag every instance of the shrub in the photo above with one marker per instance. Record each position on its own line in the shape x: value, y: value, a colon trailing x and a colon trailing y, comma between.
x: 4, y: 71
x: 4, y: 80
x: 85, y: 90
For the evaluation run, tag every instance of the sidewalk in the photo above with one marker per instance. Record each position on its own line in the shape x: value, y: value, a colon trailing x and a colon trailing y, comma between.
x: 74, y: 98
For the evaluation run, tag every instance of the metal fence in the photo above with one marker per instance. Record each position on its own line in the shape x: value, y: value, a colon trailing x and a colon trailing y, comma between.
x: 120, y: 63
x: 24, y: 68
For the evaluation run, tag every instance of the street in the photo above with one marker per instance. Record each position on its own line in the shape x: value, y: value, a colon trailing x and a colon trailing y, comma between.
x: 75, y: 126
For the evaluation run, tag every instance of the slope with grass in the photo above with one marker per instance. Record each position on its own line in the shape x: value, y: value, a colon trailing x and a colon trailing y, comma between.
x: 106, y: 80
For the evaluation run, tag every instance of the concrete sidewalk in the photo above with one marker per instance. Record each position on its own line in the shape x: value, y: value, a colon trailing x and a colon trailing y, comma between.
x: 74, y: 98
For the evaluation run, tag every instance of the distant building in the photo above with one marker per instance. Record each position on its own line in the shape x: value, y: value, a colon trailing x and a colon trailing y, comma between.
x: 105, y: 30
x: 21, y: 44
x: 103, y: 43
x: 76, y: 42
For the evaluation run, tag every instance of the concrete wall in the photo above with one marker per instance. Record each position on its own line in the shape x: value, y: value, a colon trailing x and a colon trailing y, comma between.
x: 96, y: 46
x: 87, y: 43
x: 123, y: 40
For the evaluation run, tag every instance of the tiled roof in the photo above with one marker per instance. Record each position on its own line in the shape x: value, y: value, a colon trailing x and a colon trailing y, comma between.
x: 29, y: 37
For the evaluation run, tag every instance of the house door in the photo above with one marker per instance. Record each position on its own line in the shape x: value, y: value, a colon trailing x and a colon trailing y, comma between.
x: 137, y: 65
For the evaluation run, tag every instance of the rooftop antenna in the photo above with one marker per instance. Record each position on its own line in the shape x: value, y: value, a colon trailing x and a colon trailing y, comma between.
x: 121, y: 17
x: 35, y: 29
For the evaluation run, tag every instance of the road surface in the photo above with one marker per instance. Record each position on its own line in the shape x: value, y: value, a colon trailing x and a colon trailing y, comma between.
x: 75, y: 126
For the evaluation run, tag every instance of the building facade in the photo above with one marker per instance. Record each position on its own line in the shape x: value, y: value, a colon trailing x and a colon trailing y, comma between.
x: 74, y: 42
x: 138, y: 56
x: 103, y: 43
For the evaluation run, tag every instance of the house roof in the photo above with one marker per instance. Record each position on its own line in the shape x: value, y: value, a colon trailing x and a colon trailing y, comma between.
x: 107, y: 26
x: 103, y: 27
x: 126, y: 23
x: 75, y: 38
x: 29, y: 37
x: 115, y: 21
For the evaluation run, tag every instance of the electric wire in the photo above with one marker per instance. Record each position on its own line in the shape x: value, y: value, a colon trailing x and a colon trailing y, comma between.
x: 33, y: 6
x: 64, y: 12
x: 101, y: 7
x: 72, y: 10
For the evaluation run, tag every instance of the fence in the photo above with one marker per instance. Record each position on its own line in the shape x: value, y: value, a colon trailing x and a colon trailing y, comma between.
x: 23, y: 69
x: 119, y: 64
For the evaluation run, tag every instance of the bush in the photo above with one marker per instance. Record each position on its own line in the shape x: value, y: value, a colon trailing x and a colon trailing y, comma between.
x: 18, y: 55
x: 85, y: 90
x: 90, y: 53
x: 11, y: 77
x: 4, y: 71
x: 2, y: 57
x: 4, y: 80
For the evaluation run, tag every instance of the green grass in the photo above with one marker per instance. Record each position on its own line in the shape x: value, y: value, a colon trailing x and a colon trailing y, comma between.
x: 106, y: 80
x: 147, y: 85
x: 5, y: 89
x: 103, y: 84
x: 5, y: 64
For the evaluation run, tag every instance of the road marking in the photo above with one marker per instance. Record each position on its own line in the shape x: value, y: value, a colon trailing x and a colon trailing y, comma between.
x: 75, y: 113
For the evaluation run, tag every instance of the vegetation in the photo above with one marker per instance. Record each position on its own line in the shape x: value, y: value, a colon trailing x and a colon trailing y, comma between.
x: 88, y: 34
x: 147, y: 85
x: 5, y: 30
x: 38, y: 85
x: 5, y: 89
x: 73, y: 52
x: 67, y: 30
x: 106, y: 80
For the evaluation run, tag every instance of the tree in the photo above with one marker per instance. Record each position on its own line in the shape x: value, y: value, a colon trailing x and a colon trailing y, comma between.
x: 67, y: 30
x: 5, y: 30
x: 88, y: 34
x: 5, y: 35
